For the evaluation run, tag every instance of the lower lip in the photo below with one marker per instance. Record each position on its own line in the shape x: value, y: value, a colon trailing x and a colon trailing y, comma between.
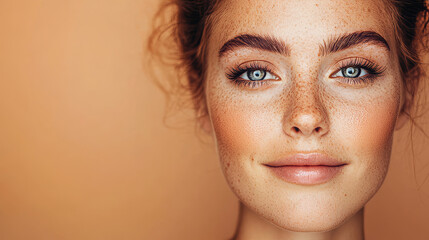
x: 306, y: 175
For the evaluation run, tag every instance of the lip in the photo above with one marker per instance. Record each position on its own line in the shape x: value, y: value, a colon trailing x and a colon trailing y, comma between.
x: 306, y: 168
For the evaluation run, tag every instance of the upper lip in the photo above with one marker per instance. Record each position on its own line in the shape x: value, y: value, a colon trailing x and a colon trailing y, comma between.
x: 306, y: 159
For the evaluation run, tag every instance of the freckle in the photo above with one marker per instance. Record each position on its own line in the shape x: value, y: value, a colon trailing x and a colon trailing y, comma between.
x: 345, y: 195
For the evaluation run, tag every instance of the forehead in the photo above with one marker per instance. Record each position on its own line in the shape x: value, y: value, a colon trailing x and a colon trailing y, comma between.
x: 299, y: 22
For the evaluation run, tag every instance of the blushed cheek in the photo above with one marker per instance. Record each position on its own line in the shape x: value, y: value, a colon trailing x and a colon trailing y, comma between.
x: 234, y: 130
x: 373, y: 131
x: 379, y: 127
x: 240, y: 131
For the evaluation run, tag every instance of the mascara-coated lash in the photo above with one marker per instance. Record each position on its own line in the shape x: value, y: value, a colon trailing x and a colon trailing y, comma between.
x: 236, y: 72
x: 373, y: 70
x: 371, y: 67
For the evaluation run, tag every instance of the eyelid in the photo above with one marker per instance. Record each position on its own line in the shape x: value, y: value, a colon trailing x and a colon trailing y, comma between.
x: 234, y: 74
x: 372, y: 69
x: 274, y: 77
x: 359, y: 62
x: 340, y: 71
x: 259, y: 63
x: 237, y: 70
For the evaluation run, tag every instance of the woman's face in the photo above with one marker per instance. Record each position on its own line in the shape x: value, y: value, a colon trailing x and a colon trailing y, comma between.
x: 294, y: 83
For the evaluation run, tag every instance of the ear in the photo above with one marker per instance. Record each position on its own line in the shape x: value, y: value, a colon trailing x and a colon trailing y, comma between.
x: 205, y: 123
x: 401, y: 120
x: 404, y: 113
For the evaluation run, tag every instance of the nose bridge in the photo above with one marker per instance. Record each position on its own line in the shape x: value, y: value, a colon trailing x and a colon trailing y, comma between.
x: 307, y: 114
x: 305, y: 97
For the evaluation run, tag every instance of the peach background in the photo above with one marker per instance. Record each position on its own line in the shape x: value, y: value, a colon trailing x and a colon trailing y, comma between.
x: 84, y: 153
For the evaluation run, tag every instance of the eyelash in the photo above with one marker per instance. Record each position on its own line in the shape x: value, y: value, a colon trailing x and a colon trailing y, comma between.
x: 235, y: 73
x: 373, y: 70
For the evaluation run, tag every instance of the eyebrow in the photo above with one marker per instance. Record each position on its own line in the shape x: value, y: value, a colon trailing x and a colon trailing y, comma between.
x: 267, y: 43
x: 334, y: 44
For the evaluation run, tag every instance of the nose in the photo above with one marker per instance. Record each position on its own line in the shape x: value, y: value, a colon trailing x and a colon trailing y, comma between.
x: 307, y: 115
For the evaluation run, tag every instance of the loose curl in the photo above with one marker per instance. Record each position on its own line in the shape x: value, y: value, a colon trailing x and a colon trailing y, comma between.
x: 179, y: 39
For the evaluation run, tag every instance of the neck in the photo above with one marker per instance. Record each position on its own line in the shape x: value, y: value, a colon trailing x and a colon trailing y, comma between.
x: 251, y: 226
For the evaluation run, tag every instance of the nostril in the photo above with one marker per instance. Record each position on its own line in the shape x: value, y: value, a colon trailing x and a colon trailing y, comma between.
x: 296, y: 129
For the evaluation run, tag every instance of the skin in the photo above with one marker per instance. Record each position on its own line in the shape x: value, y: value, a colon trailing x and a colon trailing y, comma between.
x: 253, y: 126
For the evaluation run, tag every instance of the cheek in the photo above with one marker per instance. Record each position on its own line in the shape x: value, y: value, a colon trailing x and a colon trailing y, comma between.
x: 244, y: 129
x: 367, y: 134
x: 377, y: 127
x: 374, y: 126
x: 367, y: 128
x: 240, y: 130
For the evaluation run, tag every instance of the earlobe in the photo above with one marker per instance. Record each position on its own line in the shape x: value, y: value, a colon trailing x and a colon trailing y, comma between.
x: 205, y: 124
x: 401, y: 120
x: 404, y: 115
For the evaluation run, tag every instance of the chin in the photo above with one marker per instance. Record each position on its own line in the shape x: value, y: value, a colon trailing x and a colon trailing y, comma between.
x: 301, y: 209
x: 307, y: 220
x: 310, y: 223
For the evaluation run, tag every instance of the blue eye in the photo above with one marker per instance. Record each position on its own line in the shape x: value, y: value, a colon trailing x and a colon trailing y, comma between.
x: 358, y: 71
x: 252, y: 76
x: 351, y: 72
x: 257, y: 75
